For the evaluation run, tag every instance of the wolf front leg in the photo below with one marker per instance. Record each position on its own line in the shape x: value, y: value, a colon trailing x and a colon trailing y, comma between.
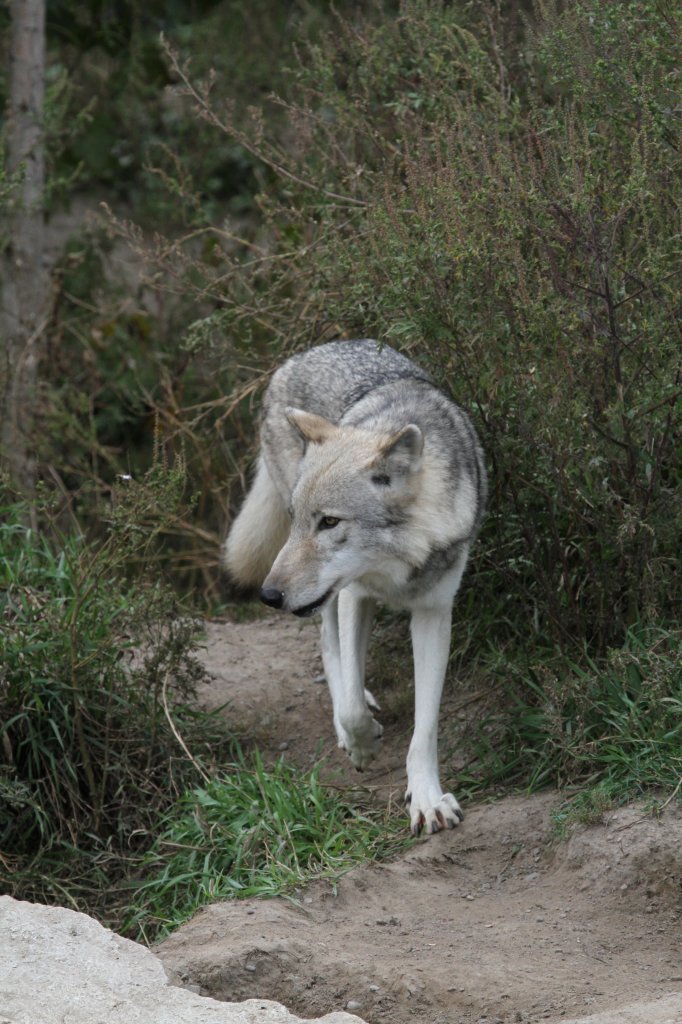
x: 430, y: 808
x: 331, y: 658
x: 346, y: 627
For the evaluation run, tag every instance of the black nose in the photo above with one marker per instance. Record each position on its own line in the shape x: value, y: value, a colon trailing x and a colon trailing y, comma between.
x: 272, y: 597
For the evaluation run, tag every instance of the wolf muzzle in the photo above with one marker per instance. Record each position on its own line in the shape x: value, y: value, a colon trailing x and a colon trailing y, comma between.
x: 274, y: 598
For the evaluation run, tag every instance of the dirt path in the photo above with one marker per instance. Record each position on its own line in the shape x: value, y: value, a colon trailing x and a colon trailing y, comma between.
x: 494, y: 922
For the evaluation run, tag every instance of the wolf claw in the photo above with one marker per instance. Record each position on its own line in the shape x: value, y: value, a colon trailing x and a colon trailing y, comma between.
x: 444, y: 813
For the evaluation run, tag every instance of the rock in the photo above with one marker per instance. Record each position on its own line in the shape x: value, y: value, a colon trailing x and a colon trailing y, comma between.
x: 57, y: 965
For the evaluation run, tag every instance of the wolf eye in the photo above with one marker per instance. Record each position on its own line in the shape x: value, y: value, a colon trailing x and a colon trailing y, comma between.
x: 328, y: 523
x: 381, y: 479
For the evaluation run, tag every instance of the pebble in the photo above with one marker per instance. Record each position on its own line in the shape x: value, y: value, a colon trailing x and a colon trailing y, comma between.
x: 284, y: 745
x: 353, y: 1004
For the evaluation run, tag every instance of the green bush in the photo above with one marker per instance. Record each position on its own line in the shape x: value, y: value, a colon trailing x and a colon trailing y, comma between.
x: 97, y: 681
x: 503, y: 206
x: 115, y: 797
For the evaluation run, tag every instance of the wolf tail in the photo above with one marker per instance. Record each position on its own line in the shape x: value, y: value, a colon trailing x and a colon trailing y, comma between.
x: 258, y: 533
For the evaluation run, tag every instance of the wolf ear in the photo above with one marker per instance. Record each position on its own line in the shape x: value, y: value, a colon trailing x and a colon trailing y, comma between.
x: 400, y: 452
x: 310, y: 427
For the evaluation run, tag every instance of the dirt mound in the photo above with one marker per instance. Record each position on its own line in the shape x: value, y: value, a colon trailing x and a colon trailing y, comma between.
x: 634, y: 853
x: 495, y: 921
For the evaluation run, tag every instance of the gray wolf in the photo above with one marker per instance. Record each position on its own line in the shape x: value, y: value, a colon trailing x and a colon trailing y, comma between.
x: 370, y: 486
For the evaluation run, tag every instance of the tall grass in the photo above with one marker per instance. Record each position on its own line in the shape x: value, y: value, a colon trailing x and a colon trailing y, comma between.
x: 616, y: 723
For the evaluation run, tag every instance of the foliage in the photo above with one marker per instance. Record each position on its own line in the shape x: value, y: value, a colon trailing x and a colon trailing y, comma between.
x: 511, y: 219
x: 97, y: 680
x: 115, y: 372
x: 110, y: 122
x: 253, y: 832
x: 619, y: 722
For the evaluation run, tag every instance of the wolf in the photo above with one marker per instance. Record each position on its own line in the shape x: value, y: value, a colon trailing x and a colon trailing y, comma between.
x: 370, y: 487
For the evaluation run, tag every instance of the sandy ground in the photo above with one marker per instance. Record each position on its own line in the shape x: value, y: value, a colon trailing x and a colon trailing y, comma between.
x: 497, y: 921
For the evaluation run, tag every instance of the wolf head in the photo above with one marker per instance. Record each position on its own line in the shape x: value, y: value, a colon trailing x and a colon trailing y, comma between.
x: 353, y: 494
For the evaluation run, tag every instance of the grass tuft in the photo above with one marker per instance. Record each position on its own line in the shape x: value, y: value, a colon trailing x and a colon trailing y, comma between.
x: 254, y: 831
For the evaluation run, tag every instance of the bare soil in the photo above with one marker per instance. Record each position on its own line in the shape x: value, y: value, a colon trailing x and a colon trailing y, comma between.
x: 496, y: 921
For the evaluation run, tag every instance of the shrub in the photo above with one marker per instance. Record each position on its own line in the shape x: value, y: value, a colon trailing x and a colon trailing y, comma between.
x: 97, y: 679
x: 504, y: 208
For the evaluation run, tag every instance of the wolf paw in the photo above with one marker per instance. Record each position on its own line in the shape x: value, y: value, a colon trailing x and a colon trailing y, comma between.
x: 363, y: 743
x: 432, y: 813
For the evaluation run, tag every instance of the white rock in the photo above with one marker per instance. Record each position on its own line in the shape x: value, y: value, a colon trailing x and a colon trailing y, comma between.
x: 57, y: 965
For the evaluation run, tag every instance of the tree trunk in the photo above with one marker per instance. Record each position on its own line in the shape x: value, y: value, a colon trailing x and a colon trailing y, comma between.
x: 25, y: 277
